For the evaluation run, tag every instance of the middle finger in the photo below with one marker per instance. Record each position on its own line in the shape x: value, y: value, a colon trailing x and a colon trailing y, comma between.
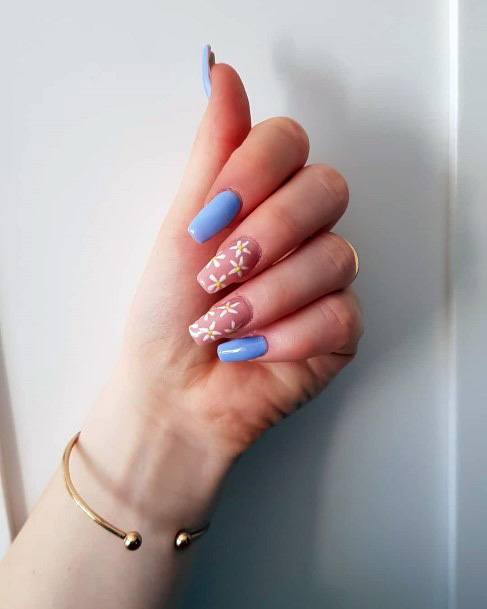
x: 314, y: 198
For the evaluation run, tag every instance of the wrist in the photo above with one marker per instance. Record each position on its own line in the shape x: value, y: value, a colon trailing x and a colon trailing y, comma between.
x: 143, y: 467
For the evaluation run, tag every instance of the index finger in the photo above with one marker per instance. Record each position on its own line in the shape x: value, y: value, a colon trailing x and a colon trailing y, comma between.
x: 273, y: 151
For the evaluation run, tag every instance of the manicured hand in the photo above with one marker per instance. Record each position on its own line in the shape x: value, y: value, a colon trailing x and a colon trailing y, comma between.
x: 243, y: 313
x: 245, y: 309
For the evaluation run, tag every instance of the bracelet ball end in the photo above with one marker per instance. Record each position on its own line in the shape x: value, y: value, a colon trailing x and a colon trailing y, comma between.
x: 132, y: 540
x: 183, y: 540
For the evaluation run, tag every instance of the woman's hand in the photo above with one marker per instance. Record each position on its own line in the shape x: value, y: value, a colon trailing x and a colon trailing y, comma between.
x: 270, y: 277
x: 259, y: 261
x: 244, y: 263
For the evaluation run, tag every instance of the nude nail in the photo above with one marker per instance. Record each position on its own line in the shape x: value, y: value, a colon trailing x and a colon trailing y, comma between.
x: 229, y: 265
x: 222, y: 320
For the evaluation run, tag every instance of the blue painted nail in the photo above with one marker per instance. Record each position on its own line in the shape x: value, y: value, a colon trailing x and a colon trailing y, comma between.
x: 208, y: 60
x: 242, y: 349
x: 214, y: 216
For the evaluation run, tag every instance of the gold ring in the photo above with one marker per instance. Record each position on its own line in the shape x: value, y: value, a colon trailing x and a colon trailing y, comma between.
x: 355, y: 256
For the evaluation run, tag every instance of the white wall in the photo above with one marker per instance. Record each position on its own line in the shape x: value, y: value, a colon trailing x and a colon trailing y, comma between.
x: 345, y: 504
x: 470, y: 280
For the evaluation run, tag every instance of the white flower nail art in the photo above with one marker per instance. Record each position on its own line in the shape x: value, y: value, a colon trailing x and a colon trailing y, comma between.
x: 240, y: 248
x: 215, y: 260
x: 217, y: 283
x: 194, y: 330
x: 229, y: 265
x: 221, y: 320
x: 238, y: 267
x: 210, y: 333
x: 229, y: 307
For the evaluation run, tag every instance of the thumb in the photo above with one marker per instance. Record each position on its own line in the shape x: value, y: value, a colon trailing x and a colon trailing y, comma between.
x: 224, y: 126
x: 175, y: 258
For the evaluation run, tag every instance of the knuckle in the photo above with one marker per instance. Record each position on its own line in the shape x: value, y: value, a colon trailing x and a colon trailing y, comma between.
x: 333, y: 183
x: 304, y: 346
x: 285, y: 223
x: 291, y: 130
x: 340, y: 255
x: 346, y: 322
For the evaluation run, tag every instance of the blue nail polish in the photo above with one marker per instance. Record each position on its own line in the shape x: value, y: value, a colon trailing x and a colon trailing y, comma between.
x: 208, y: 59
x: 242, y: 349
x: 214, y: 216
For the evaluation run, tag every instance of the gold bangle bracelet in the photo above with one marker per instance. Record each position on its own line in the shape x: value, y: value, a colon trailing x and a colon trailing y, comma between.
x: 132, y: 539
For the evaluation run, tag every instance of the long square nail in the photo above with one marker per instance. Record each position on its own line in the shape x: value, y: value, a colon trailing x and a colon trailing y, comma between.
x: 229, y: 265
x: 215, y: 216
x: 242, y: 349
x: 220, y: 321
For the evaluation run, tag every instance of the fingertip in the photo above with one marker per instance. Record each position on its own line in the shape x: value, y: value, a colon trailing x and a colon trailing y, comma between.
x: 228, y: 106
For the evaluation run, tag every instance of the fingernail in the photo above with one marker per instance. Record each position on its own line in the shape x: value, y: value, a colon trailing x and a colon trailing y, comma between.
x: 220, y: 321
x: 242, y: 349
x: 229, y: 265
x: 208, y: 61
x: 214, y: 216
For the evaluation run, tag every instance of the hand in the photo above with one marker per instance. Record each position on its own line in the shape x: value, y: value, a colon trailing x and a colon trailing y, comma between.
x: 303, y: 319
x: 260, y: 267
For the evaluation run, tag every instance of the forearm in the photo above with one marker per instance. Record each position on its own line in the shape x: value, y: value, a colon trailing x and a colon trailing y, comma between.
x: 140, y: 475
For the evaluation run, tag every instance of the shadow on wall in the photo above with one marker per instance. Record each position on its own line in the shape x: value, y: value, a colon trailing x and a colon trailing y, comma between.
x: 10, y: 472
x: 265, y: 550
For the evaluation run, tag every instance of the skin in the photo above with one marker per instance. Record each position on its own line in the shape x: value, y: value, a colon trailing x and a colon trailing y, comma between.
x: 157, y: 444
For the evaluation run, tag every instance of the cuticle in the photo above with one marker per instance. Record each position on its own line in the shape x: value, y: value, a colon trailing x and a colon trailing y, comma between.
x: 249, y: 306
x: 259, y: 249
